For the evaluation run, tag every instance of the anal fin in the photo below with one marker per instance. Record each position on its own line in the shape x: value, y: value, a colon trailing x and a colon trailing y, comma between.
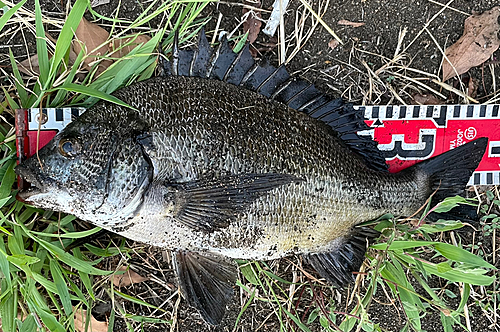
x: 338, y: 264
x: 206, y: 281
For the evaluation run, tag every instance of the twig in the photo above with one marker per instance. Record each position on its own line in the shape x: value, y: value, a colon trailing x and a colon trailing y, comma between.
x: 448, y: 60
x: 427, y: 24
x: 214, y: 37
x: 457, y: 92
x: 450, y: 8
x: 322, y: 22
x: 282, y: 34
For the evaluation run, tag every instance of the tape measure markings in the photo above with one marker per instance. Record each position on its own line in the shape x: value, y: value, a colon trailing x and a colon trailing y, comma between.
x: 484, y: 178
x: 53, y: 118
x: 439, y: 113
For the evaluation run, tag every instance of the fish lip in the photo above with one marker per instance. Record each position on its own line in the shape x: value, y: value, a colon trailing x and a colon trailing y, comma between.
x: 26, y: 174
x: 38, y: 184
x: 25, y: 194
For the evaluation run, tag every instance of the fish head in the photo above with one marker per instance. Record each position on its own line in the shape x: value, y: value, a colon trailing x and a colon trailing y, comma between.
x: 70, y: 173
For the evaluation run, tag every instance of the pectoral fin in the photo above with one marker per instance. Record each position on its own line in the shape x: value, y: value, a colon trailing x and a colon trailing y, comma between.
x: 206, y: 281
x: 209, y: 204
x: 337, y: 265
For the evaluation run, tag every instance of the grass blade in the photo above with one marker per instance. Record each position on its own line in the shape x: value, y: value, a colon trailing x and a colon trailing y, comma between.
x: 41, y: 46
x: 21, y: 91
x: 465, y: 298
x: 11, y: 101
x: 8, y: 310
x: 5, y: 266
x: 70, y: 235
x: 61, y: 94
x: 460, y: 255
x: 65, y: 257
x: 84, y: 276
x: 399, y: 245
x: 93, y: 93
x: 50, y: 321
x: 29, y: 324
x: 62, y: 288
x: 135, y: 300
x: 8, y: 179
x: 5, y: 17
x: 66, y: 36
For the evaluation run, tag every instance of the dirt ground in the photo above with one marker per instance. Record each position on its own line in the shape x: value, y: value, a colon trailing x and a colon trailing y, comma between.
x: 340, y: 72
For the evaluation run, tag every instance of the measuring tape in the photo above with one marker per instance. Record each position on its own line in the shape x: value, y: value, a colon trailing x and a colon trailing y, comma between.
x: 406, y: 134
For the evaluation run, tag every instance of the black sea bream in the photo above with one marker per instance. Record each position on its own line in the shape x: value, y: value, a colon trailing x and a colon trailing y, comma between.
x: 225, y: 158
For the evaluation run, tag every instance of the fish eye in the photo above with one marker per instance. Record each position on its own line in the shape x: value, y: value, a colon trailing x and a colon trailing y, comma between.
x: 69, y: 147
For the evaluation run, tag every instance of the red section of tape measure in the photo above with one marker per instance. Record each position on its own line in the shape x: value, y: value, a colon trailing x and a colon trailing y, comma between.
x: 406, y: 134
x: 405, y: 142
x: 43, y: 138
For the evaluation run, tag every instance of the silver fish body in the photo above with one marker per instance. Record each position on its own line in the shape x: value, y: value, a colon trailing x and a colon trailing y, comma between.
x: 199, y: 130
x: 213, y: 170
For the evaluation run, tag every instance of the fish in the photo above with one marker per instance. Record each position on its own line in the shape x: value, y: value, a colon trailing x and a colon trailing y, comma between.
x: 222, y: 157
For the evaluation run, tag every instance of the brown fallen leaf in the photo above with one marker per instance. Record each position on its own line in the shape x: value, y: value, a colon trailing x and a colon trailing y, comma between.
x: 333, y: 43
x: 476, y: 45
x: 94, y: 325
x: 252, y: 23
x: 427, y: 99
x: 30, y: 66
x: 472, y: 87
x: 352, y: 24
x: 93, y: 38
x: 128, y: 278
x: 118, y: 51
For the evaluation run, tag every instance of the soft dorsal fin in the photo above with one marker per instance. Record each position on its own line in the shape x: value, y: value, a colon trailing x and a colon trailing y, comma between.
x: 241, y: 69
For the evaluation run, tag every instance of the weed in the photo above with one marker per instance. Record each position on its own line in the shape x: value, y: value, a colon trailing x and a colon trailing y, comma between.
x: 43, y: 287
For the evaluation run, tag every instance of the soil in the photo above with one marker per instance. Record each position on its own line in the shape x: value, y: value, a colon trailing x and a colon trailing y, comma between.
x: 339, y: 72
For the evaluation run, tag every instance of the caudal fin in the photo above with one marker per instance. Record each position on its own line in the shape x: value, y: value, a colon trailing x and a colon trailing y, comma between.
x: 449, y: 173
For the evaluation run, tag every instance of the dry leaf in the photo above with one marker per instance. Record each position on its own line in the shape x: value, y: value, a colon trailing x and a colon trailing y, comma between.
x: 30, y: 66
x: 472, y: 87
x: 123, y: 51
x: 476, y: 45
x: 333, y: 44
x: 352, y: 24
x: 252, y: 23
x: 72, y: 54
x: 94, y: 326
x: 128, y: 278
x: 93, y: 38
x: 427, y: 99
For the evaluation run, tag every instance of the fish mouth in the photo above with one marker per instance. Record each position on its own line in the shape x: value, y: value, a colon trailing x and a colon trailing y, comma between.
x: 34, y: 187
x: 25, y: 194
x: 26, y: 174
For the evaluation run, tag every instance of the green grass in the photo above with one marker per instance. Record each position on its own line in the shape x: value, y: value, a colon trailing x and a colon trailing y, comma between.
x: 402, y: 259
x: 42, y: 285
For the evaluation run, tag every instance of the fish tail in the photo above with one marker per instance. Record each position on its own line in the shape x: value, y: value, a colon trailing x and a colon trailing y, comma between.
x: 448, y: 174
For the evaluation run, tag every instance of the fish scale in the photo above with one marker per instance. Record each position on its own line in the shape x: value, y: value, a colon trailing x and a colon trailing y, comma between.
x: 216, y: 171
x: 288, y: 142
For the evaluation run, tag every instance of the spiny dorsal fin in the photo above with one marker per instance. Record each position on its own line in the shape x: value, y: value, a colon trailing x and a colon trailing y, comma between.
x: 201, y: 57
x: 241, y: 69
